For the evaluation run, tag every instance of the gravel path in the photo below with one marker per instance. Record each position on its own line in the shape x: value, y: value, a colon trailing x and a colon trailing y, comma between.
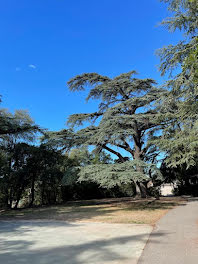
x: 50, y: 242
x: 175, y: 238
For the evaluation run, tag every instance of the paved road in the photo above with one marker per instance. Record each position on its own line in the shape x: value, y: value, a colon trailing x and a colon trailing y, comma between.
x: 175, y: 238
x: 50, y: 242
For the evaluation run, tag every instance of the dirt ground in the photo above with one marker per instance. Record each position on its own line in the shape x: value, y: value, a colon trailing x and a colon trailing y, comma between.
x: 117, y: 210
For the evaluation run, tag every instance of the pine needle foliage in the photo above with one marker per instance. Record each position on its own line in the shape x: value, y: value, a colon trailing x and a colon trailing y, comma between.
x: 179, y: 139
x: 126, y: 115
x: 18, y: 125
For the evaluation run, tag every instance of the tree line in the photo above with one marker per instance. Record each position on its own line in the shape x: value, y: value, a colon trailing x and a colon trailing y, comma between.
x: 117, y: 149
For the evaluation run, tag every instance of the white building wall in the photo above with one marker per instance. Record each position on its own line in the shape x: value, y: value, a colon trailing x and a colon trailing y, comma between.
x: 167, y: 189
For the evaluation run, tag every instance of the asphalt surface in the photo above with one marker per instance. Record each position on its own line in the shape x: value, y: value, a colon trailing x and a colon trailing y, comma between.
x: 174, y: 240
x: 56, y: 242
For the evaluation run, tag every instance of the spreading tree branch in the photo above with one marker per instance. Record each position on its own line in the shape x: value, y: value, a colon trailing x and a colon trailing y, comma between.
x: 114, y: 152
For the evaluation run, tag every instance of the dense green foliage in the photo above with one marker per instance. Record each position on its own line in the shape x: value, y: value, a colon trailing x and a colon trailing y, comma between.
x: 18, y: 123
x: 125, y: 118
x: 43, y: 174
x: 179, y: 139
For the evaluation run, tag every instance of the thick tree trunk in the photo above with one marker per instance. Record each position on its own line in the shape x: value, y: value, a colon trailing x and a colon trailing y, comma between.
x: 16, y: 204
x: 9, y: 191
x: 138, y: 192
x: 42, y: 193
x: 143, y: 189
x: 6, y: 199
x: 138, y: 156
x: 18, y: 198
x: 10, y: 199
x: 32, y: 191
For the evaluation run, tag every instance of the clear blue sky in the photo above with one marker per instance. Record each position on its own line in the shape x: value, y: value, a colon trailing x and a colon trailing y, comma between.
x: 43, y: 43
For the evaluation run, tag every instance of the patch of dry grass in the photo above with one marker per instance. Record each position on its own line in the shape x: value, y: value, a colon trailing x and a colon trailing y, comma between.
x: 123, y: 210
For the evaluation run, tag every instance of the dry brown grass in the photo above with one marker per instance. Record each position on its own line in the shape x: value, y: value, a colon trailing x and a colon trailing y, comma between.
x: 119, y: 210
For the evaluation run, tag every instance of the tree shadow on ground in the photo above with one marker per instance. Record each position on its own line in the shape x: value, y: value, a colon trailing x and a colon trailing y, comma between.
x: 152, y: 206
x: 87, y: 210
x: 59, y: 213
x: 18, y: 251
x: 8, y: 228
